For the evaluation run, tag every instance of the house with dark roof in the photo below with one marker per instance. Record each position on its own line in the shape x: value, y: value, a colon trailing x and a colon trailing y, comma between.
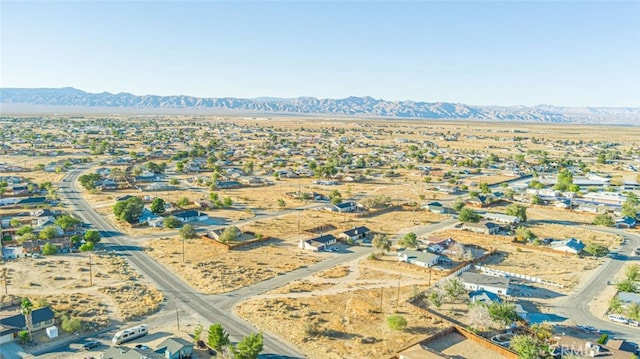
x: 344, y: 207
x: 355, y: 234
x: 191, y: 216
x: 626, y: 222
x: 10, y: 326
x: 31, y: 201
x: 318, y: 243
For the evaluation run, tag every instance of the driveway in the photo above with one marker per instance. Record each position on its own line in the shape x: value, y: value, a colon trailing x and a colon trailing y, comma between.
x: 12, y: 350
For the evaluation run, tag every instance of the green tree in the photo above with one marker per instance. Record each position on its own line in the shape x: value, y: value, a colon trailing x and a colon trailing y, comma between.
x: 249, y: 347
x: 187, y: 231
x: 128, y: 210
x: 565, y: 181
x: 626, y: 285
x: 468, y: 215
x: 229, y: 234
x: 24, y: 230
x: 217, y: 337
x: 157, y: 206
x: 14, y: 223
x: 524, y: 234
x: 66, y: 222
x: 87, y: 247
x: 633, y: 311
x: 396, y: 322
x: 484, y: 187
x: 183, y: 201
x: 381, y: 243
x: 504, y: 313
x: 48, y: 232
x: 454, y: 289
x: 92, y: 236
x: 75, y: 239
x: 89, y: 181
x: 171, y: 222
x: 410, y: 240
x: 542, y: 332
x: 630, y: 207
x: 632, y: 272
x: 517, y: 210
x: 71, y: 325
x: 281, y: 203
x: 596, y: 250
x: 604, y: 220
x: 23, y: 335
x: 525, y: 345
x: 436, y: 298
x: 615, y: 305
x: 49, y: 249
x: 197, y: 333
x: 26, y: 308
x: 227, y: 202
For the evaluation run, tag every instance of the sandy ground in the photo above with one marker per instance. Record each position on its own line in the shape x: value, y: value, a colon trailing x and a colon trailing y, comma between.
x: 65, y: 280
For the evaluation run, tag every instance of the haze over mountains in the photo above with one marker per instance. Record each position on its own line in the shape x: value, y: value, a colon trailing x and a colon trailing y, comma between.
x: 25, y: 99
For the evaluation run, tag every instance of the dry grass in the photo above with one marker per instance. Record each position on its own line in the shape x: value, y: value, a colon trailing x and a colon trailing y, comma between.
x: 211, y: 269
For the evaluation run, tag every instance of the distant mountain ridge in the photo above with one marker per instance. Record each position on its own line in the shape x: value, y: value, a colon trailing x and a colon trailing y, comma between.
x: 350, y: 106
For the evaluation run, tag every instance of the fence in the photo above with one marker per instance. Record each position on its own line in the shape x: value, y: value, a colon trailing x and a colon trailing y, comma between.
x: 501, y: 273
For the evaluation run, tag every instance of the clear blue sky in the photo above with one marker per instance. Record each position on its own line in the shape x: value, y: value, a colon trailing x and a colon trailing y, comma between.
x: 568, y: 53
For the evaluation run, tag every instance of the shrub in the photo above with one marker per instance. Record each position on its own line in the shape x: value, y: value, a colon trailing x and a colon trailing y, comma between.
x: 396, y: 322
x: 603, y: 339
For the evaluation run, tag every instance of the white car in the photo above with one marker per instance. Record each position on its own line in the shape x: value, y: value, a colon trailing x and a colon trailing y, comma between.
x: 618, y: 319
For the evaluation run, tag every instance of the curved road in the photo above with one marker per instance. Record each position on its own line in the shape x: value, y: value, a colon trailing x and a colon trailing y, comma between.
x: 576, y: 305
x: 167, y: 282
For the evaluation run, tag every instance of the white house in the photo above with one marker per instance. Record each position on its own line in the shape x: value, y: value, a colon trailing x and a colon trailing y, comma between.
x: 421, y: 259
x: 500, y: 218
x: 318, y: 243
x: 571, y: 245
x: 493, y: 284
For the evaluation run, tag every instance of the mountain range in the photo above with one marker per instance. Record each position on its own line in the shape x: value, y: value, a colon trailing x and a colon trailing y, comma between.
x: 26, y: 98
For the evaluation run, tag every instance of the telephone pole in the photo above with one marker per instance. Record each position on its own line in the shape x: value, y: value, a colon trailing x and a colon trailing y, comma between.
x: 4, y: 273
x: 90, y: 272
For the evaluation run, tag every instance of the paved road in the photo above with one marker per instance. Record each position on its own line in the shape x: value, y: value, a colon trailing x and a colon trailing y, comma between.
x: 576, y: 305
x: 166, y: 281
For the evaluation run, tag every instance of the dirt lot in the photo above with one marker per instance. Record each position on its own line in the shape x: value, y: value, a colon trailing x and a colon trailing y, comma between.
x: 211, y: 269
x: 65, y: 279
x: 329, y: 314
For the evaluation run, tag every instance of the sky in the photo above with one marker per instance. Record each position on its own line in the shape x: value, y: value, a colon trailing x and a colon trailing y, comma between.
x: 565, y: 53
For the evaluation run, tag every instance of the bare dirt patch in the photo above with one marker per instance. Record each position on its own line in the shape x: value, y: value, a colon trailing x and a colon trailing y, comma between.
x: 211, y: 269
x: 65, y: 279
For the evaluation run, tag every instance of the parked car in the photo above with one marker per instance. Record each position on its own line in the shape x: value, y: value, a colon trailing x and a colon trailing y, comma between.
x: 90, y: 345
x: 635, y: 323
x: 618, y: 319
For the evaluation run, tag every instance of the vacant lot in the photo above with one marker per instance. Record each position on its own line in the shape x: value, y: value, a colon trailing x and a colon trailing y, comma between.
x: 116, y: 292
x: 341, y: 312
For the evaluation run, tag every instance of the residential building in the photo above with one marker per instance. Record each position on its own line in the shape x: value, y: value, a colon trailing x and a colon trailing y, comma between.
x: 319, y: 243
x: 476, y: 281
x: 571, y: 245
x: 421, y: 259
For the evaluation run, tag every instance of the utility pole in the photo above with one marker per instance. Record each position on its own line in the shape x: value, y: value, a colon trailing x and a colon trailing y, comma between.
x: 381, y: 294
x: 398, y: 297
x: 175, y: 298
x: 90, y: 272
x: 183, y: 249
x: 4, y: 273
